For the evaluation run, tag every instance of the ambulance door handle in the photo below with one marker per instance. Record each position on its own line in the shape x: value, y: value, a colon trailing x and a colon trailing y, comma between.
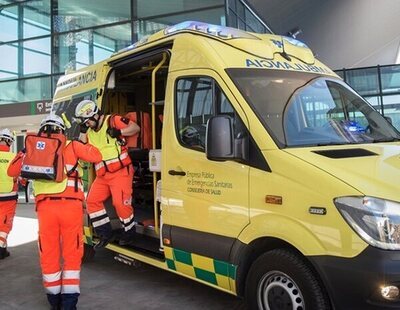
x: 174, y: 172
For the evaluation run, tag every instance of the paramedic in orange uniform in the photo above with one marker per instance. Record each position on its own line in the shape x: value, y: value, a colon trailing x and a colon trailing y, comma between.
x: 59, y: 208
x: 114, y: 174
x: 8, y: 191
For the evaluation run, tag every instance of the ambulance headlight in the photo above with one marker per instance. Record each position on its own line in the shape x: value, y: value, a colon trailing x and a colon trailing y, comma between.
x: 376, y: 220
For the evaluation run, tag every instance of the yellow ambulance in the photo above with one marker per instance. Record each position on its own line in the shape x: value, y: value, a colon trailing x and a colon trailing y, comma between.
x: 267, y: 176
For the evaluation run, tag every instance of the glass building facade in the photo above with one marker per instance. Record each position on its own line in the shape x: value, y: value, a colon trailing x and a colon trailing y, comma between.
x: 41, y: 39
x: 380, y: 86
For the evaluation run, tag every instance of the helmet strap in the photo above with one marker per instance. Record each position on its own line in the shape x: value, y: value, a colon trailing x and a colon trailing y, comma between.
x: 7, y: 141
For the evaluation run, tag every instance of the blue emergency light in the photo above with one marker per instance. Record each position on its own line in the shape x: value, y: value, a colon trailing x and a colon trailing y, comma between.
x: 210, y: 29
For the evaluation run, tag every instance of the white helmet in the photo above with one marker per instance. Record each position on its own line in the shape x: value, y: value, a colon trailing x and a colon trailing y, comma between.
x: 7, y: 135
x: 52, y: 120
x: 85, y: 110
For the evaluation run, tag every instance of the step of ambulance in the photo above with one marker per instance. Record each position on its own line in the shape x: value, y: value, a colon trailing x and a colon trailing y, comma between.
x: 146, y: 245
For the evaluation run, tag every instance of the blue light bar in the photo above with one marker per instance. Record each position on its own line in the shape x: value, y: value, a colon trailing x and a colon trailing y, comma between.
x: 213, y: 30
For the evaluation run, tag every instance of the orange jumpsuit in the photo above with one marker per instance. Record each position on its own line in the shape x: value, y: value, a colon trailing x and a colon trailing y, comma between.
x: 60, y: 219
x: 113, y: 177
x: 8, y: 204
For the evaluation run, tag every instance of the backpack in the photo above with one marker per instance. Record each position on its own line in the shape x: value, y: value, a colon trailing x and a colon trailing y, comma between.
x: 143, y: 139
x: 44, y: 157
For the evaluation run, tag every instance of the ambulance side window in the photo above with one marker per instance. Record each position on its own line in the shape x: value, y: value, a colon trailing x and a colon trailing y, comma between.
x: 197, y: 100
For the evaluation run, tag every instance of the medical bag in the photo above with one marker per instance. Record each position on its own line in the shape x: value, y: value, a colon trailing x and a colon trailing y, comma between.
x: 44, y: 157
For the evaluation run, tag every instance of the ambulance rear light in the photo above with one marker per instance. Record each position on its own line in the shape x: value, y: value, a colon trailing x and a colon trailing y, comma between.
x: 209, y: 29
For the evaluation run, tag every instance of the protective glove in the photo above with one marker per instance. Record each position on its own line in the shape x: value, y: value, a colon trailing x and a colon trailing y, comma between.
x: 114, y: 132
x: 83, y: 128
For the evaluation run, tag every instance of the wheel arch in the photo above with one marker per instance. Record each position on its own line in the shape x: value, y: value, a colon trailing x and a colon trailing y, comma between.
x: 245, y: 254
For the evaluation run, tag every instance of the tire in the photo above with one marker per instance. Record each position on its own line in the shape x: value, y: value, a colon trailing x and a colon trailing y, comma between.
x: 281, y: 279
x: 88, y: 253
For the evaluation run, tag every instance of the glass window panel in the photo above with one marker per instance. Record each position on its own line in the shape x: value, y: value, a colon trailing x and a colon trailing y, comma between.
x: 25, y: 90
x: 7, y: 75
x: 36, y: 18
x: 232, y: 19
x: 390, y: 79
x: 162, y: 7
x: 240, y: 9
x: 78, y: 14
x: 241, y: 24
x: 194, y: 106
x: 364, y: 81
x: 103, y: 47
x: 375, y: 102
x: 9, y: 64
x: 391, y: 106
x: 143, y: 28
x: 232, y: 5
x: 76, y: 50
x: 197, y: 100
x: 9, y: 24
x: 37, y: 58
x: 39, y: 45
x: 253, y: 23
x: 55, y: 80
x: 212, y: 16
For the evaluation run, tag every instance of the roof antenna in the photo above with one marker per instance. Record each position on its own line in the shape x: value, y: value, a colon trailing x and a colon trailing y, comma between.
x: 292, y: 33
x: 283, y: 53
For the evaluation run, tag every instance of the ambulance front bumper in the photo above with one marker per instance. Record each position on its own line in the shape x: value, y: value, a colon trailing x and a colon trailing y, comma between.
x: 361, y: 282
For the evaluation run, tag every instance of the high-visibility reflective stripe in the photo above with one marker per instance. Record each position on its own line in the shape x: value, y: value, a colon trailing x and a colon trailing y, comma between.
x: 38, y: 169
x: 2, y: 244
x: 70, y: 289
x: 71, y: 183
x: 127, y: 220
x: 97, y: 213
x: 130, y: 226
x: 3, y: 234
x: 66, y: 282
x: 53, y: 289
x: 69, y: 167
x: 110, y: 161
x: 8, y: 194
x: 71, y: 274
x: 101, y: 222
x: 51, y: 277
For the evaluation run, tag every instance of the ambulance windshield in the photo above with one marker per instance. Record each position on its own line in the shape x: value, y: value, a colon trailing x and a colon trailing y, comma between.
x: 307, y: 109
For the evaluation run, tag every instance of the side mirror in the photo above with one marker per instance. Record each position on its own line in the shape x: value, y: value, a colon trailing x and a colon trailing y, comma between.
x: 221, y: 145
x: 219, y: 138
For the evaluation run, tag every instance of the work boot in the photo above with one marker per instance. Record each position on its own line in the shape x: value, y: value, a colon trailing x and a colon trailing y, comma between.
x: 69, y: 301
x: 105, y: 234
x: 128, y: 237
x: 54, y: 301
x: 102, y: 243
x: 4, y: 253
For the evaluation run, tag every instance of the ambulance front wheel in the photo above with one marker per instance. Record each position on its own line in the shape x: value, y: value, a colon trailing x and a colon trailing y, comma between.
x: 88, y: 253
x: 281, y: 279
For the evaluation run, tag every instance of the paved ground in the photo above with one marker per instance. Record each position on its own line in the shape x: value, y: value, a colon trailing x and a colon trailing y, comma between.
x: 106, y: 284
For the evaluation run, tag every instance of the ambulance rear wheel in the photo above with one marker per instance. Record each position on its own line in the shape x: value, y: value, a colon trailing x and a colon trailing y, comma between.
x: 88, y: 253
x: 281, y: 279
